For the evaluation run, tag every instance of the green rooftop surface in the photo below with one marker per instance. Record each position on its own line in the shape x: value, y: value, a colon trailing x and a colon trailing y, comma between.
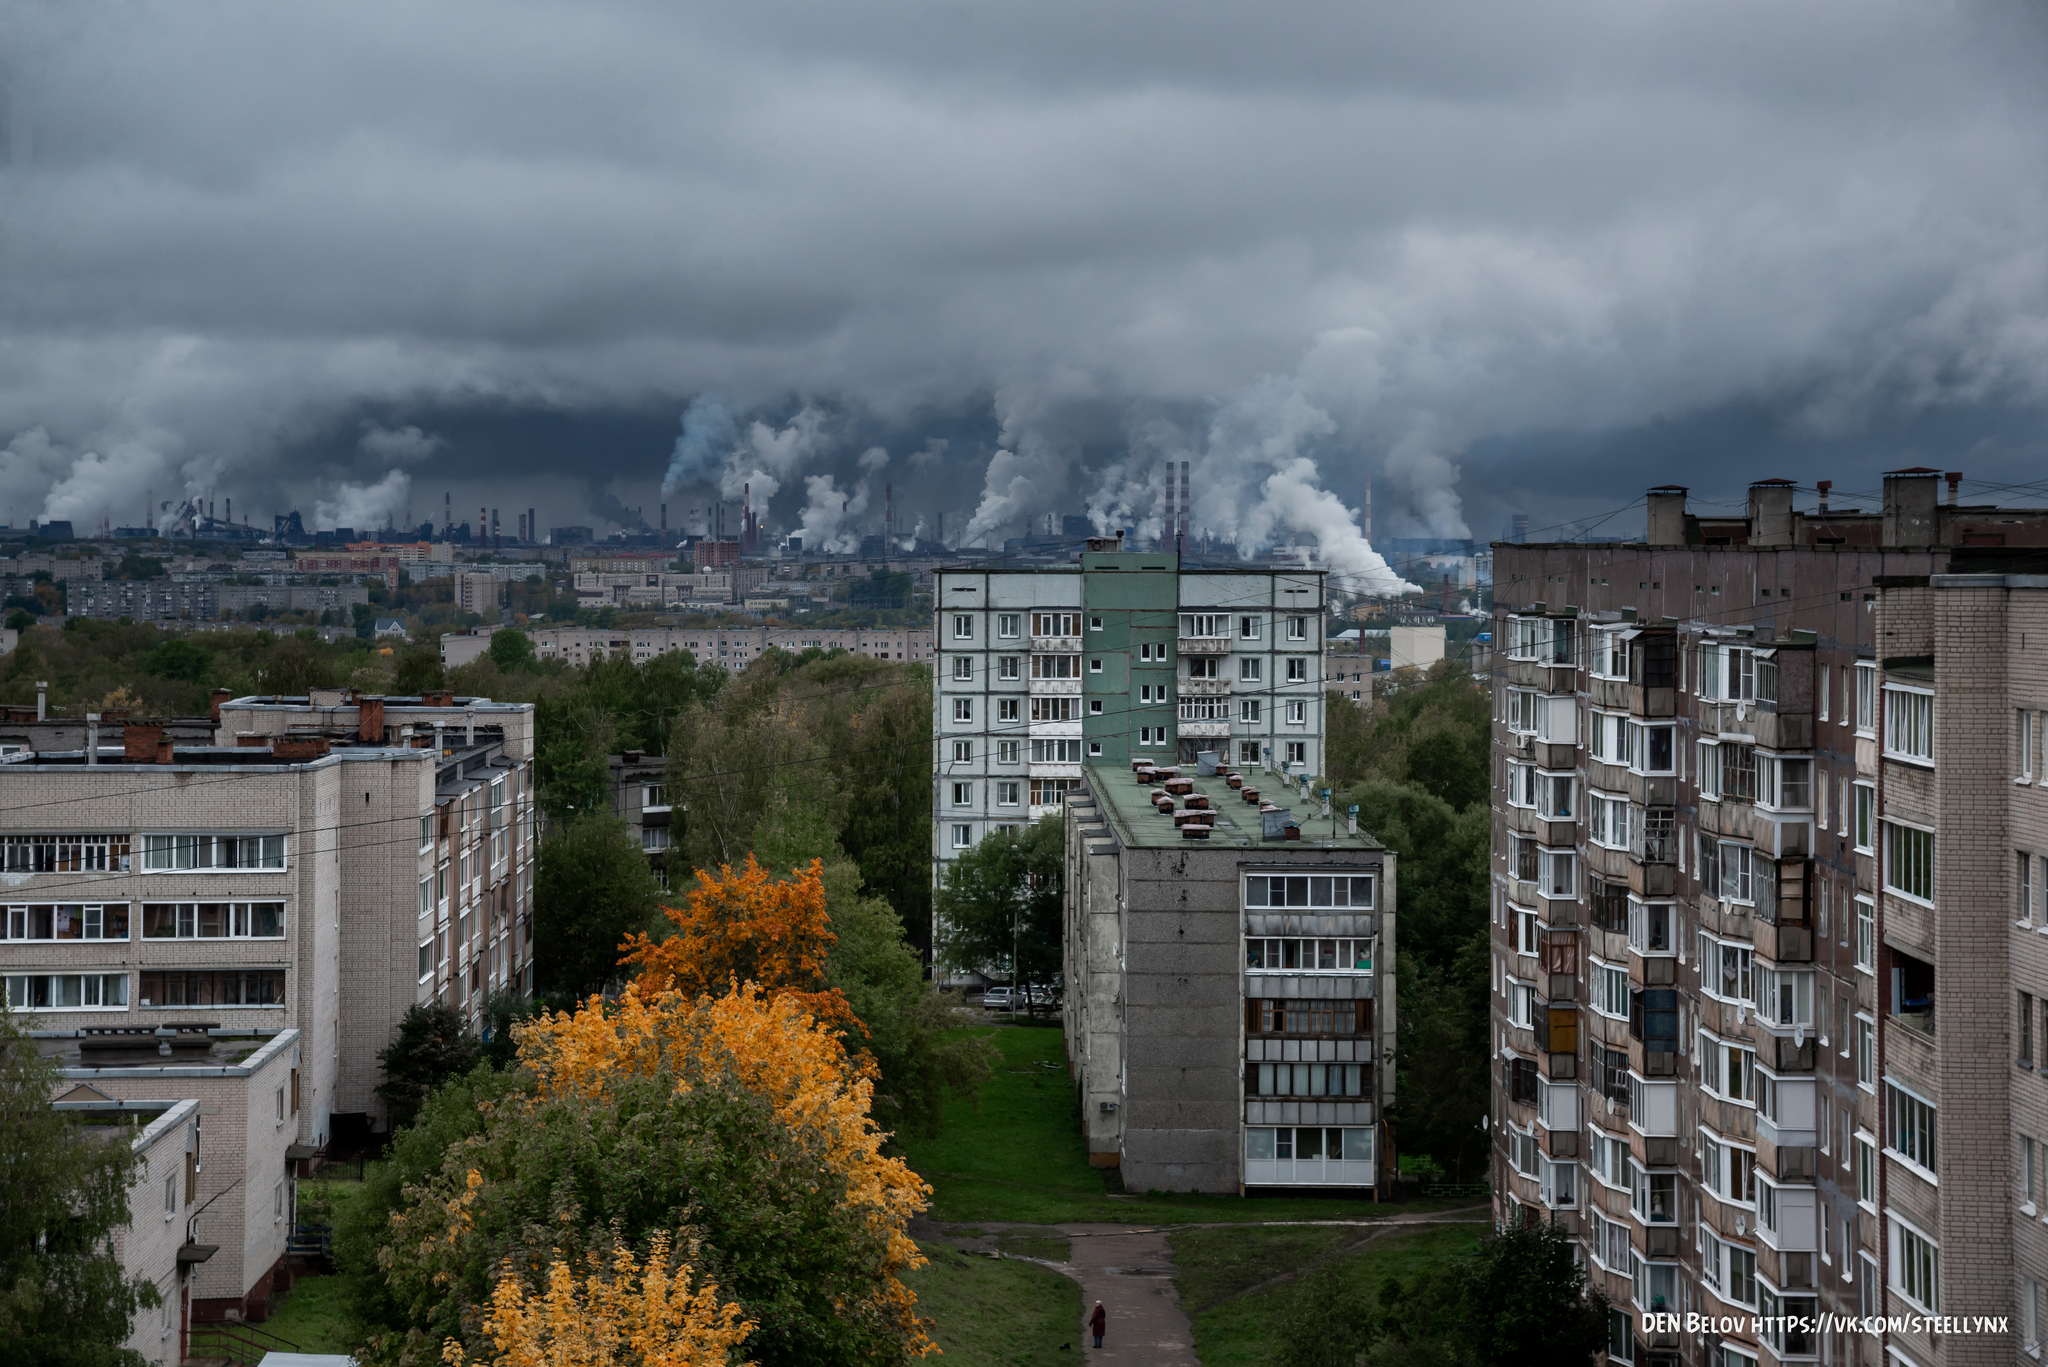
x: 1128, y: 805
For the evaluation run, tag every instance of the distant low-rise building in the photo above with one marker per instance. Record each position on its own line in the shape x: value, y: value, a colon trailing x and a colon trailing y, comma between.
x: 733, y: 647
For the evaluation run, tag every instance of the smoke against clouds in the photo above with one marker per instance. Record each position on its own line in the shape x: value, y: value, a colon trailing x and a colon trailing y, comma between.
x: 281, y: 252
x: 366, y: 507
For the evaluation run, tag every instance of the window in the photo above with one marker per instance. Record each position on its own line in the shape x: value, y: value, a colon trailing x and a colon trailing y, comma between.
x: 1822, y: 691
x: 1056, y: 709
x: 1558, y: 873
x: 963, y: 626
x: 1610, y: 990
x: 1205, y: 625
x: 213, y: 987
x: 653, y: 798
x: 90, y: 921
x: 1651, y: 748
x: 1908, y: 723
x: 1308, y: 890
x: 212, y: 920
x: 963, y: 836
x: 1650, y: 928
x: 1909, y: 861
x: 67, y: 991
x: 1094, y: 624
x: 1095, y: 707
x: 1094, y: 667
x: 1297, y: 628
x: 426, y: 959
x: 1007, y: 751
x: 1055, y: 624
x: 963, y: 669
x: 1055, y: 752
x: 1250, y: 669
x: 1006, y: 625
x: 1248, y: 710
x: 963, y: 795
x: 1607, y: 821
x: 1730, y: 1270
x: 1911, y: 1135
x: 1726, y: 869
x: 1727, y: 1071
x: 1297, y: 669
x: 654, y: 839
x: 1866, y: 697
x: 1866, y: 1171
x: 427, y: 896
x: 1055, y: 666
x: 1915, y: 1266
x: 1340, y: 955
x: 1248, y: 628
x: 1050, y: 792
x: 1727, y: 1170
x: 219, y: 852
x: 1554, y: 793
x: 1247, y: 752
x: 1784, y: 783
x: 963, y: 709
x: 1309, y: 1079
x: 1865, y: 819
x: 963, y: 752
x: 426, y: 833
x: 1866, y: 1052
x: 1008, y: 709
x: 1726, y: 969
x: 1297, y: 714
x: 1007, y: 793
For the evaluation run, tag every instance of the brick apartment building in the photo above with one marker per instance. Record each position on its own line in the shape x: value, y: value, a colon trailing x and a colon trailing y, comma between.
x: 1761, y: 784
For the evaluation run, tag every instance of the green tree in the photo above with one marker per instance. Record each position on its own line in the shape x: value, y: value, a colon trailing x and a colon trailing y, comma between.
x: 592, y: 887
x: 63, y: 1194
x: 1000, y: 904
x: 419, y: 670
x: 432, y: 1045
x: 511, y: 650
x: 1444, y: 1084
x: 1525, y: 1302
x: 179, y: 659
x: 1442, y: 865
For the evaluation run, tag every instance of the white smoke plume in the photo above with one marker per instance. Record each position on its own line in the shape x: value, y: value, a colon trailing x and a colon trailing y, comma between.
x: 1027, y: 475
x: 365, y: 506
x: 874, y: 459
x: 828, y: 524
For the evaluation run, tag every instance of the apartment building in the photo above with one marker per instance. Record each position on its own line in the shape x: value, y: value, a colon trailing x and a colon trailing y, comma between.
x: 733, y: 647
x: 1122, y: 655
x: 324, y: 864
x: 1229, y: 971
x: 1756, y: 786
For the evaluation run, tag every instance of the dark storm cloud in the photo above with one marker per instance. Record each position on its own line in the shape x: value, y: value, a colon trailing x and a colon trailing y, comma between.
x: 1494, y: 254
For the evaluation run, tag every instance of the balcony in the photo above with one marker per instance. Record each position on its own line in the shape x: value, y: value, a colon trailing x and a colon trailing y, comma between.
x: 1204, y: 688
x: 1200, y: 645
x: 1055, y: 645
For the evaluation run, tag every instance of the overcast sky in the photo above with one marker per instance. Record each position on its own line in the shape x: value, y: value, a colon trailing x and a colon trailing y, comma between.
x: 1498, y: 256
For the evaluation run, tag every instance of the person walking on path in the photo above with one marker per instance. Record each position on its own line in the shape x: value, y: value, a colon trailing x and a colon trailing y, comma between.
x: 1097, y: 1322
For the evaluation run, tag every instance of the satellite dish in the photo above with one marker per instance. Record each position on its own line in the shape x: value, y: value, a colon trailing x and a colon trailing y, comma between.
x: 1741, y: 1225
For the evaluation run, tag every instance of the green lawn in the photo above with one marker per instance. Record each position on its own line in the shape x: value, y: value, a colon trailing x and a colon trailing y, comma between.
x: 997, y: 1313
x: 1022, y: 1157
x: 1217, y: 1271
x: 314, y: 1315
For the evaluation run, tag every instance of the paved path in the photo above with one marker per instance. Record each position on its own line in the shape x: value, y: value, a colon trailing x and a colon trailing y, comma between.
x: 1129, y: 1268
x: 1131, y: 1273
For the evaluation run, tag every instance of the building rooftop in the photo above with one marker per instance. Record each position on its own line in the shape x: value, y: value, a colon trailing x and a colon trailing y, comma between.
x: 1129, y: 803
x: 194, y: 1048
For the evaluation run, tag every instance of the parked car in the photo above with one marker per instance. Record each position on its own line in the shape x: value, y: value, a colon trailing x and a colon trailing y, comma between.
x: 998, y: 999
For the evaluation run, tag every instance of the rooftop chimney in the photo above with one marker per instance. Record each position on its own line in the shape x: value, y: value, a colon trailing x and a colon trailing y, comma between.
x: 139, y: 742
x: 1824, y: 486
x: 1666, y: 522
x: 370, y: 720
x: 1770, y: 512
x: 1909, y: 506
x: 92, y: 738
x: 220, y: 695
x: 42, y: 698
x: 1954, y: 478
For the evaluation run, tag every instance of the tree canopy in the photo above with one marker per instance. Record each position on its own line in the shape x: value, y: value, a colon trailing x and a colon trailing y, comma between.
x: 735, y: 1129
x: 591, y: 890
x: 63, y: 1194
x: 999, y: 907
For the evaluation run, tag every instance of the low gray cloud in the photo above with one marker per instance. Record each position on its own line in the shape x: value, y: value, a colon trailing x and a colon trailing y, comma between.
x: 1057, y: 244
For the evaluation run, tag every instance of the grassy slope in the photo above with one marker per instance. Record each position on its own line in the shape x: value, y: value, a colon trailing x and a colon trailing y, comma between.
x: 1235, y: 1325
x: 990, y: 1313
x: 1022, y: 1157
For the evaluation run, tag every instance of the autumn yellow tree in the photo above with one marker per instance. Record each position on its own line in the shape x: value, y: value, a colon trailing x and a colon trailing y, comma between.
x: 740, y: 1121
x: 626, y: 1315
x: 740, y: 925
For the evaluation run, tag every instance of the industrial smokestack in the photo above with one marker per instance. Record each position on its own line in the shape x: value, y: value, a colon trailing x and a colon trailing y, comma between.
x: 1824, y: 486
x: 1954, y: 478
x: 532, y: 527
x: 1181, y: 530
x: 1367, y: 527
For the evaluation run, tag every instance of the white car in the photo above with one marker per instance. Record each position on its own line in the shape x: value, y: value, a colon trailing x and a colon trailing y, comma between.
x: 998, y: 999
